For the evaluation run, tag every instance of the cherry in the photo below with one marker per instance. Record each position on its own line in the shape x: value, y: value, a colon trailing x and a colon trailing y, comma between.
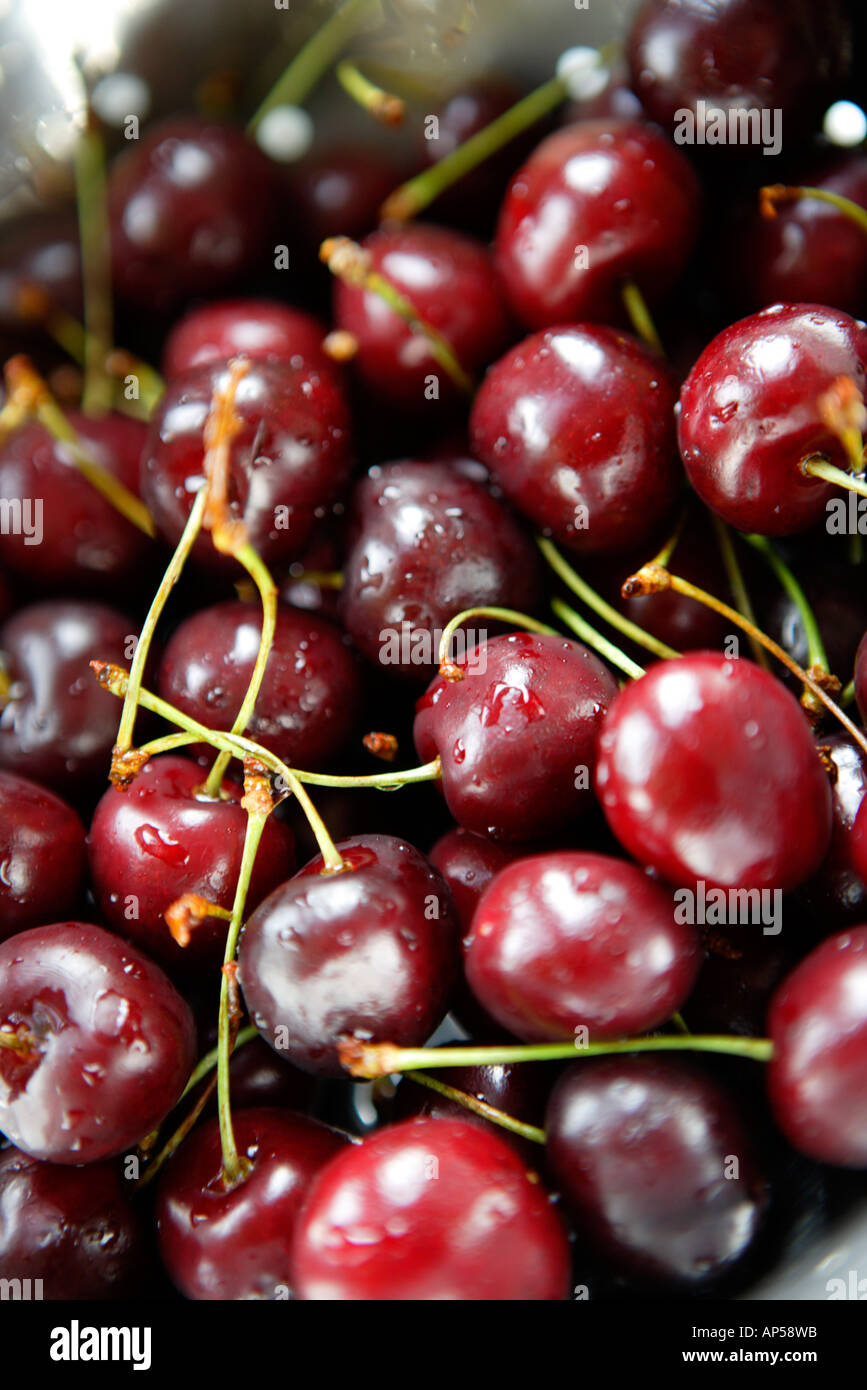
x: 517, y: 1090
x: 162, y: 838
x: 571, y: 940
x: 224, y: 1242
x: 857, y: 845
x: 707, y: 770
x: 860, y: 677
x: 259, y: 328
x: 337, y: 192
x: 837, y: 893
x: 754, y: 54
x: 517, y: 735
x: 818, y: 1025
x: 429, y: 1210
x: 39, y: 251
x: 425, y: 542
x: 107, y: 1043
x: 310, y: 697
x: 614, y: 100
x: 576, y: 426
x: 643, y: 1149
x: 369, y: 952
x: 74, y: 1229
x: 259, y: 1076
x: 43, y: 861
x: 82, y: 541
x: 741, y: 970
x: 190, y: 207
x: 839, y: 609
x: 468, y: 862
x: 289, y: 460
x: 597, y: 203
x: 56, y: 724
x: 750, y: 414
x: 450, y: 280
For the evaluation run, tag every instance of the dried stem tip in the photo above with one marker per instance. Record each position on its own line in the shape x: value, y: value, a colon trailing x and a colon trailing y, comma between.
x: 187, y: 913
x: 650, y: 579
x: 367, y: 1060
x: 382, y: 746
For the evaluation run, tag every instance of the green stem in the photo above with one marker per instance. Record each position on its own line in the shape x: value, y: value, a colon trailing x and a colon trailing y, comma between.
x: 90, y: 183
x: 588, y: 595
x: 847, y: 695
x: 773, y: 194
x: 816, y: 654
x: 640, y: 316
x: 209, y: 1060
x: 820, y: 468
x: 503, y: 615
x: 383, y: 106
x: 737, y: 585
x: 594, y: 639
x: 480, y: 1107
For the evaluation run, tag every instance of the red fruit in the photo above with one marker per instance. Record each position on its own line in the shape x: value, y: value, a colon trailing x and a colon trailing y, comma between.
x: 43, y: 861
x: 258, y: 328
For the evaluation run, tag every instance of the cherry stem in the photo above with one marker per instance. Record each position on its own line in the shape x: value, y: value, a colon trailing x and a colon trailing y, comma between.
x: 663, y: 556
x: 29, y: 392
x: 383, y: 106
x: 817, y: 658
x: 597, y: 603
x: 594, y: 639
x: 350, y: 263
x: 316, y: 57
x: 774, y: 194
x: 91, y: 195
x: 816, y: 467
x: 207, y: 1063
x: 480, y: 1107
x: 21, y: 1042
x: 419, y: 192
x: 323, y: 579
x: 847, y: 695
x: 503, y: 615
x: 679, y: 1023
x: 640, y: 316
x: 737, y: 585
x: 371, y: 1060
x: 177, y: 1138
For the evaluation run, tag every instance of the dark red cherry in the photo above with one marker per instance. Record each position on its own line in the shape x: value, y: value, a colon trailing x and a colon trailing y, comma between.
x: 597, y: 203
x: 370, y: 952
x: 468, y: 862
x: 658, y: 1168
x: 608, y: 98
x: 336, y: 192
x: 38, y: 250
x: 741, y: 969
x: 310, y: 697
x: 708, y: 770
x: 163, y: 837
x: 451, y: 283
x: 220, y: 1242
x: 740, y: 54
x: 108, y: 1043
x: 517, y: 735
x: 191, y: 207
x: 426, y: 542
x: 258, y: 1075
x: 517, y: 1089
x: 857, y: 844
x: 818, y: 1025
x: 73, y: 1229
x: 72, y: 538
x: 567, y: 941
x: 427, y: 1210
x: 837, y: 893
x: 259, y: 328
x: 43, y: 861
x: 839, y: 607
x: 576, y: 425
x: 290, y: 459
x: 860, y: 678
x: 57, y: 725
x: 750, y: 414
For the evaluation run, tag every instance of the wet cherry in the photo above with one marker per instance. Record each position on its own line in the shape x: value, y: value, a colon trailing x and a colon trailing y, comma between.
x: 259, y: 328
x: 43, y: 861
x: 837, y: 893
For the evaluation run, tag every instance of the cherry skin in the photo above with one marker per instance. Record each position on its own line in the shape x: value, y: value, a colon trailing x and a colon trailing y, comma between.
x: 468, y: 862
x: 576, y: 426
x: 190, y: 212
x: 259, y: 328
x: 163, y: 837
x: 290, y: 459
x: 641, y: 1149
x: 573, y: 940
x: 39, y: 251
x: 450, y: 280
x: 43, y: 861
x: 75, y: 1229
x: 258, y: 1076
x: 220, y: 1242
x: 518, y: 1090
x: 82, y: 541
x: 817, y: 1023
x: 310, y: 697
x: 57, y: 724
x: 707, y: 770
x: 482, y: 1230
x: 108, y: 1043
x: 425, y: 542
x: 369, y: 952
x: 750, y: 415
x: 517, y: 735
x: 597, y: 203
x: 857, y: 845
x: 860, y: 678
x: 837, y: 893
x: 337, y: 192
x: 741, y: 970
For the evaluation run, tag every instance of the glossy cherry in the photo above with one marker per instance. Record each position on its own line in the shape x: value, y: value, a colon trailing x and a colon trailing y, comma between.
x: 259, y: 328
x: 425, y: 542
x: 43, y: 861
x: 289, y: 460
x: 370, y: 952
x: 837, y: 893
x: 750, y: 414
x: 516, y: 736
x: 108, y: 1043
x: 337, y: 192
x: 468, y: 862
x: 741, y: 969
x: 597, y: 203
x: 163, y: 837
x: 818, y: 1025
x: 517, y: 1089
x: 433, y: 1209
x: 860, y: 677
x: 220, y: 1242
x: 642, y: 1149
x: 570, y: 940
x: 259, y: 1076
x: 74, y: 1229
x: 39, y: 250
x: 707, y: 770
x: 309, y: 700
x: 576, y: 426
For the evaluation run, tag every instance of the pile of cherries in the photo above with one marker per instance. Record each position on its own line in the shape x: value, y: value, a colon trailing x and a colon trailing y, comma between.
x: 631, y: 1101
